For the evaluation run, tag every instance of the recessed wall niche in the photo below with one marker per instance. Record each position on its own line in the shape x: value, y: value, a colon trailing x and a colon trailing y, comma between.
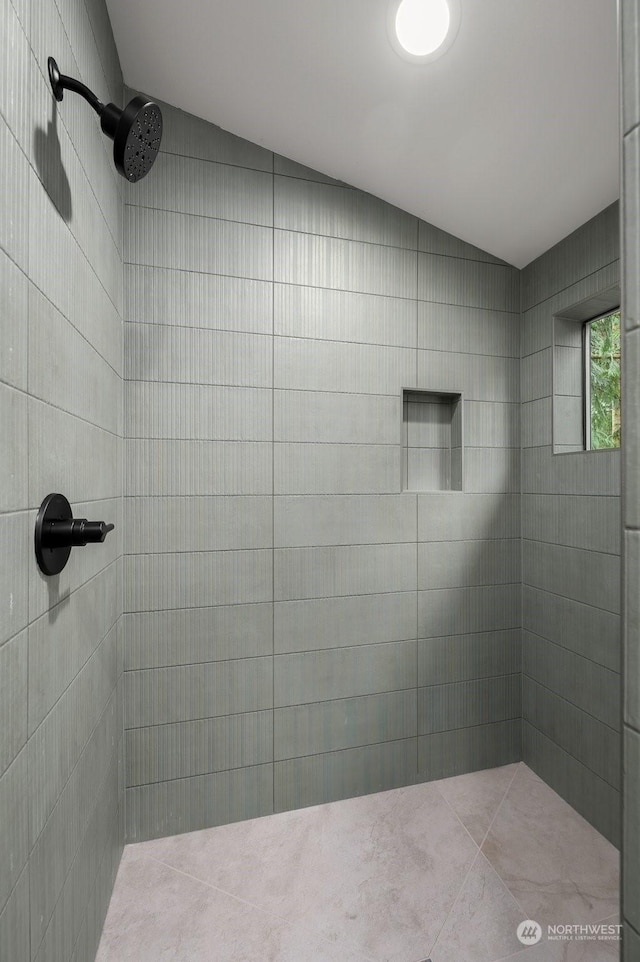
x: 431, y: 441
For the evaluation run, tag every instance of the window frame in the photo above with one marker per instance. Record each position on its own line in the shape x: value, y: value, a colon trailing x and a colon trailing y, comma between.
x: 600, y: 302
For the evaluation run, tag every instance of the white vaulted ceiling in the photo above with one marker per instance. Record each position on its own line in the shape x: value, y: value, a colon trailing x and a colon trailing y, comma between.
x: 509, y: 141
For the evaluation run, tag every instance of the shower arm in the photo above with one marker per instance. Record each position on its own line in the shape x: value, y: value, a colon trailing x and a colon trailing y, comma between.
x: 60, y: 82
x: 109, y: 114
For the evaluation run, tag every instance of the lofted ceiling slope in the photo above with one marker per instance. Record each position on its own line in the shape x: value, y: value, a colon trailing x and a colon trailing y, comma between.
x: 509, y: 140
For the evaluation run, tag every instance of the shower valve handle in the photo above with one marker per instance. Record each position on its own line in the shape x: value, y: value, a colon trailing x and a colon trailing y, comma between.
x: 74, y: 532
x: 57, y: 532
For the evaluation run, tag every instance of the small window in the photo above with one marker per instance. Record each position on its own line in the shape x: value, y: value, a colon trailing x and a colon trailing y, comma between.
x: 602, y: 382
x: 585, y: 409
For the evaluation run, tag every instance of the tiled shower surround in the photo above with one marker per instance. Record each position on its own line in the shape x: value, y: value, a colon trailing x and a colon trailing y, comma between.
x: 296, y: 628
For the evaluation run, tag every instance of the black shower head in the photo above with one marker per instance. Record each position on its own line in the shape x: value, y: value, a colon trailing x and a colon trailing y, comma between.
x: 136, y: 131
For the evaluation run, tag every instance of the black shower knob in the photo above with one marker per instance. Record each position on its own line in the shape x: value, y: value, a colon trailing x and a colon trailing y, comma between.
x: 75, y: 532
x: 57, y: 532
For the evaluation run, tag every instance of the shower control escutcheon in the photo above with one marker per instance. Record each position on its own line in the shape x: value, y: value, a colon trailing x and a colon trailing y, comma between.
x: 57, y: 532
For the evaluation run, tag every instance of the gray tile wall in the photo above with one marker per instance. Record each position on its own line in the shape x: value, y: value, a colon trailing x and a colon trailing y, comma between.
x: 61, y: 673
x: 297, y: 628
x: 630, y: 49
x: 570, y: 551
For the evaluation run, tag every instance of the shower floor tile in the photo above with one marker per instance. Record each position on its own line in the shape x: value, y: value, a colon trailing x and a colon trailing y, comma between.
x: 443, y: 871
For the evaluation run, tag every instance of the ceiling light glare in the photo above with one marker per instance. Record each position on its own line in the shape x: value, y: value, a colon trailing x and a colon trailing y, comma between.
x: 421, y: 30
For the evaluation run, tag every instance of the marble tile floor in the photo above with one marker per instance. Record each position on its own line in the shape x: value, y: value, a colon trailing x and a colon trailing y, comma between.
x: 444, y: 871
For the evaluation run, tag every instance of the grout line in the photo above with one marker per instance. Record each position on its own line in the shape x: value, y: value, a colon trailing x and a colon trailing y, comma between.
x: 324, y: 701
x: 257, y: 386
x: 508, y: 789
x: 335, y: 751
x: 256, y: 907
x: 478, y: 847
x: 566, y: 597
x: 137, y: 786
x: 383, y: 495
x: 330, y: 546
x: 306, y: 651
x: 93, y: 347
x: 565, y: 494
x: 320, y: 287
x: 572, y: 651
x: 94, y: 651
x: 574, y: 758
x: 333, y: 340
x: 576, y: 707
x: 555, y: 294
x: 454, y: 812
x: 529, y: 764
x: 64, y: 598
x: 570, y: 547
x: 404, y: 248
x: 631, y: 926
x: 471, y: 681
x: 261, y: 601
x: 480, y: 853
x: 104, y: 711
x: 264, y: 764
x: 307, y: 444
x: 96, y: 801
x: 71, y: 414
x: 398, y: 591
x: 455, y: 901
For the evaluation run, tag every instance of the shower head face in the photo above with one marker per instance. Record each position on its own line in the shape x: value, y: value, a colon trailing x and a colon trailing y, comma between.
x: 137, y: 139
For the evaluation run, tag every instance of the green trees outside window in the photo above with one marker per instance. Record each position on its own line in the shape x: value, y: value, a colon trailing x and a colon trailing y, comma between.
x: 602, y: 343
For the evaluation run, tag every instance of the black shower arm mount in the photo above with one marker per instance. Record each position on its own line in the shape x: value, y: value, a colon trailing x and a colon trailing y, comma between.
x: 60, y: 82
x: 109, y: 114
